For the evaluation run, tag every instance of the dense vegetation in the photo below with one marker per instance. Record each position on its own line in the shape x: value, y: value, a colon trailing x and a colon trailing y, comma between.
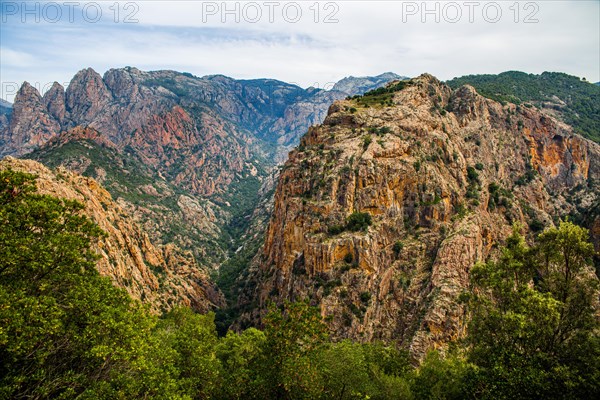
x: 357, y: 221
x: 126, y: 176
x: 581, y: 98
x: 66, y: 332
x: 382, y: 96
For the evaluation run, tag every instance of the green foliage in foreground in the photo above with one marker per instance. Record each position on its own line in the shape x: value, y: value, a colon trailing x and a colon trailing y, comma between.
x: 533, y: 331
x: 66, y: 332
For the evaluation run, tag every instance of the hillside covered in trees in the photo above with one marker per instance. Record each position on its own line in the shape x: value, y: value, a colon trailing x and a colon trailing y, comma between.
x: 66, y: 332
x: 575, y: 100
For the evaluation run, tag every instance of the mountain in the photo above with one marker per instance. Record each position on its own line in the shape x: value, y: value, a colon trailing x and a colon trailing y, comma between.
x: 162, y: 276
x: 188, y: 158
x: 167, y: 213
x: 359, y: 85
x: 5, y: 107
x: 566, y: 97
x: 125, y: 99
x: 377, y: 216
x: 5, y: 111
x: 208, y: 135
x: 382, y: 210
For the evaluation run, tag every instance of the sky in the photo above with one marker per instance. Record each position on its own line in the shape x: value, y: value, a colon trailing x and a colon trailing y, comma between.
x: 309, y: 43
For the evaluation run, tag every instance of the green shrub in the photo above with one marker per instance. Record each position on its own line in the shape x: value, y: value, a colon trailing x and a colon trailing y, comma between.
x: 461, y: 210
x: 397, y: 248
x: 365, y: 297
x: 336, y: 229
x: 358, y: 221
x: 536, y: 225
x: 348, y: 258
x: 472, y: 174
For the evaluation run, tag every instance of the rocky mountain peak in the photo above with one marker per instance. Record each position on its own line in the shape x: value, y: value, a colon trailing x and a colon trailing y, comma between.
x: 27, y: 92
x: 54, y: 101
x: 30, y: 124
x: 87, y: 95
x: 383, y: 209
x: 123, y: 82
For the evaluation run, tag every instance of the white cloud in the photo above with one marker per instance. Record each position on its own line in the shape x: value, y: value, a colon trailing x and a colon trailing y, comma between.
x: 371, y: 37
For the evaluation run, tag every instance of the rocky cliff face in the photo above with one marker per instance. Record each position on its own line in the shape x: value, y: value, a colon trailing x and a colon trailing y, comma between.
x: 185, y: 155
x: 31, y: 125
x: 167, y: 213
x: 443, y: 175
x: 161, y: 276
x: 55, y: 102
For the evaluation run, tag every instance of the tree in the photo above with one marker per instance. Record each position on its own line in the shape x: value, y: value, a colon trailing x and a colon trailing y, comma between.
x: 440, y: 377
x: 358, y: 221
x: 240, y: 356
x: 345, y: 371
x: 193, y: 340
x: 293, y: 337
x: 43, y: 238
x: 533, y: 332
x: 64, y: 330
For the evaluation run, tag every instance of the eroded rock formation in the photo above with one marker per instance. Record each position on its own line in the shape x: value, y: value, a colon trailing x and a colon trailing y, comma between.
x: 163, y: 276
x: 443, y: 175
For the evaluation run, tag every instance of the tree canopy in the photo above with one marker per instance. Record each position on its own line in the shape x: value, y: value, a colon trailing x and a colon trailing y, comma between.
x: 66, y: 332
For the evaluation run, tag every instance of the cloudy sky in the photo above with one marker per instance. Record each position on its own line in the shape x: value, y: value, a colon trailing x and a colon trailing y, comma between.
x: 304, y: 42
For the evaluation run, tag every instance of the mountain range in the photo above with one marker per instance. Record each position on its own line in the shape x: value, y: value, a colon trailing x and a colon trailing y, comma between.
x: 184, y: 157
x: 381, y: 211
x: 394, y: 187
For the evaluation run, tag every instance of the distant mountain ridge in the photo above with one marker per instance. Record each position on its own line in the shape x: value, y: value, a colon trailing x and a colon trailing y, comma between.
x: 569, y: 98
x: 5, y: 111
x: 272, y: 110
x: 185, y: 156
x: 359, y: 85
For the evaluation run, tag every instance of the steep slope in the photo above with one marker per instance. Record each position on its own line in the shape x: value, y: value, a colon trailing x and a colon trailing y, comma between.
x: 185, y: 156
x: 5, y: 112
x: 167, y: 213
x: 384, y: 208
x: 160, y: 276
x: 569, y: 98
